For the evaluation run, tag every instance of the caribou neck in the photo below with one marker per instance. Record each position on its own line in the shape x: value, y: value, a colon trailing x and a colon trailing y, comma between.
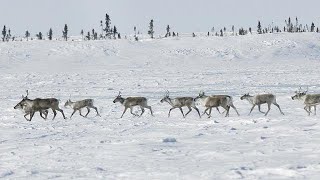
x: 72, y: 104
x: 122, y: 100
x: 202, y: 99
x: 169, y: 100
x: 303, y: 97
x: 250, y: 99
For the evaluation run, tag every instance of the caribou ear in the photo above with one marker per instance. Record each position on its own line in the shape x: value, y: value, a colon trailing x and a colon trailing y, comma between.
x: 22, y: 96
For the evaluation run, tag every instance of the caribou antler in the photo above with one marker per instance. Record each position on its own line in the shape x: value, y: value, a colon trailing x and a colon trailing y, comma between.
x: 297, y: 92
x: 25, y: 97
x: 119, y: 93
x: 201, y: 93
x: 167, y: 93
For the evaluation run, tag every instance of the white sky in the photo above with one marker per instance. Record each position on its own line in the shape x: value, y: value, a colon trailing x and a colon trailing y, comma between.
x: 181, y: 15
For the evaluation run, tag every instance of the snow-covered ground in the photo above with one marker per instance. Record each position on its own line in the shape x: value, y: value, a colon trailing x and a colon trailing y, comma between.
x: 107, y: 147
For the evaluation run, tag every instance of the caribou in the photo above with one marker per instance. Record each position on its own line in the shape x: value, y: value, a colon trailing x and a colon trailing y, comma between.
x: 308, y: 99
x: 78, y: 105
x: 28, y: 110
x: 210, y: 102
x: 130, y: 102
x: 180, y: 102
x: 259, y: 99
x: 38, y: 104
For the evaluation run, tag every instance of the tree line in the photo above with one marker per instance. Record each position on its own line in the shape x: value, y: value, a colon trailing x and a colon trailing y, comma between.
x: 109, y: 31
x: 290, y: 26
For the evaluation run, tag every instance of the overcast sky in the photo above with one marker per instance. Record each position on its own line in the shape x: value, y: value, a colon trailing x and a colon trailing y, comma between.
x: 181, y: 15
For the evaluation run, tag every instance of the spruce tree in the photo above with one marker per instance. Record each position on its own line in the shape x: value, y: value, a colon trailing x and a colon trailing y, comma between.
x: 27, y: 35
x: 50, y: 34
x: 115, y: 32
x: 65, y: 32
x: 82, y: 33
x: 4, y: 33
x: 212, y: 29
x: 151, y: 31
x: 259, y: 28
x: 39, y: 36
x: 168, y: 31
x: 297, y: 25
x: 232, y: 30
x: 93, y: 34
x: 88, y: 36
x: 8, y: 35
x: 312, y: 27
x: 289, y: 25
x: 107, y: 25
x: 101, y: 25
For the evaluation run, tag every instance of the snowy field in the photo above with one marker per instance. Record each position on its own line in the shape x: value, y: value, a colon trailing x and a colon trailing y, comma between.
x: 107, y: 147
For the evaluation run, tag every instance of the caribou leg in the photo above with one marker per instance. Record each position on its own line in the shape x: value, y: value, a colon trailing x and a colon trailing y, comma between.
x: 87, y: 112
x: 235, y: 109
x: 149, y: 107
x: 209, y: 116
x: 125, y: 109
x: 205, y: 112
x: 142, y: 109
x: 227, y: 109
x: 276, y: 104
x: 197, y: 110
x: 188, y: 111
x: 306, y: 108
x: 80, y: 112
x: 25, y: 116
x: 219, y: 110
x: 95, y: 108
x: 131, y: 108
x: 74, y: 111
x: 182, y: 112
x: 54, y: 114
x: 269, y: 107
x: 252, y: 109
x: 31, y: 116
x: 60, y: 110
x: 259, y: 107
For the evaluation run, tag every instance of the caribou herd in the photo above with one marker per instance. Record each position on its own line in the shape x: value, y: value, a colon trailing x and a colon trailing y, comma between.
x: 42, y: 105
